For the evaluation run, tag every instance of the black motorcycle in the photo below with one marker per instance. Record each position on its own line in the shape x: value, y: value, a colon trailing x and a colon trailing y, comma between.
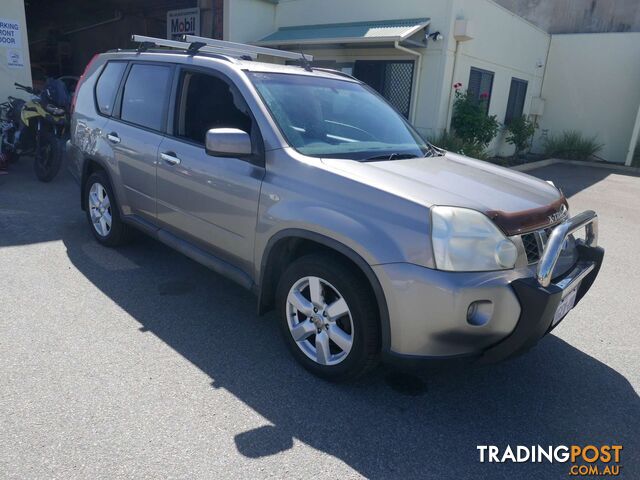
x: 38, y: 127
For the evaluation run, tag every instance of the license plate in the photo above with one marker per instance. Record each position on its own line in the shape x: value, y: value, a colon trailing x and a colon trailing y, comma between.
x: 566, y: 304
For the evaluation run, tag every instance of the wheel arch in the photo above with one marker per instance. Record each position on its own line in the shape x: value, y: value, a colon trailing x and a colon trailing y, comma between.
x: 89, y: 166
x: 290, y: 244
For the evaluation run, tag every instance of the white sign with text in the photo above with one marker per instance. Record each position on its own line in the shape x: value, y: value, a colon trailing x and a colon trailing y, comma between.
x: 185, y: 21
x: 14, y: 58
x: 10, y: 33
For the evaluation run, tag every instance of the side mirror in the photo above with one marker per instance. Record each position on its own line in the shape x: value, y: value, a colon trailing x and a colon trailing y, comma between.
x: 228, y: 142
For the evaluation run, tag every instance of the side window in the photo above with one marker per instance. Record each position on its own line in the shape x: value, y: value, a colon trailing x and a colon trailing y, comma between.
x: 145, y: 95
x: 107, y: 86
x: 207, y: 102
x: 480, y: 86
x: 515, y: 105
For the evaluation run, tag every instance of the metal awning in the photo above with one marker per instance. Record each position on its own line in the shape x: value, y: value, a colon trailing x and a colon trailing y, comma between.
x: 386, y: 31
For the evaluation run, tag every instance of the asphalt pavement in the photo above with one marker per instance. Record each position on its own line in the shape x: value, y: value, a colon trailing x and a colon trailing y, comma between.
x: 140, y: 363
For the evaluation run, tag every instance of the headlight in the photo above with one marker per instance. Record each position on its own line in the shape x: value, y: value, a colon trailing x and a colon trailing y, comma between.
x: 465, y: 240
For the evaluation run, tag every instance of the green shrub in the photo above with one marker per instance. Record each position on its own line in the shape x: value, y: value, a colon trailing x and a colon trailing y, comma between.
x: 571, y: 145
x: 455, y: 144
x: 470, y: 121
x: 520, y: 130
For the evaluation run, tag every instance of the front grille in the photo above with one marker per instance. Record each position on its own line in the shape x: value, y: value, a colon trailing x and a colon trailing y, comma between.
x: 534, y: 243
x: 531, y: 247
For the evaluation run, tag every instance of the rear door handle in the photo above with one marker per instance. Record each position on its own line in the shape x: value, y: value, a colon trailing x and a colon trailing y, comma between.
x: 113, y: 137
x: 170, y: 158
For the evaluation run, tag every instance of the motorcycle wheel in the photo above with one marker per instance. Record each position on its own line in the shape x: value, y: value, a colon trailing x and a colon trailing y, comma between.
x: 48, y: 158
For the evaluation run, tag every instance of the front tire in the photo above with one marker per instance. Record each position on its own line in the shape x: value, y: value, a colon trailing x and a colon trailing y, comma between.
x: 48, y: 158
x: 329, y: 317
x: 102, y: 211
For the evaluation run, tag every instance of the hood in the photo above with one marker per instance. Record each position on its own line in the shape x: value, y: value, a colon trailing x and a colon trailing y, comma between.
x: 516, y: 202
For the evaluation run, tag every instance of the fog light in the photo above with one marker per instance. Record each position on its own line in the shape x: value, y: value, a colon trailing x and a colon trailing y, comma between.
x: 479, y: 312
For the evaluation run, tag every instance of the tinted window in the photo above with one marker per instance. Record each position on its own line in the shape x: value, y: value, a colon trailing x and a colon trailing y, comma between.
x: 209, y: 102
x: 107, y: 86
x: 480, y: 86
x: 515, y: 105
x: 145, y: 95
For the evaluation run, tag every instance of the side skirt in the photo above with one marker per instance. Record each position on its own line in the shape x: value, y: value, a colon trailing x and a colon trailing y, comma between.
x: 192, y: 251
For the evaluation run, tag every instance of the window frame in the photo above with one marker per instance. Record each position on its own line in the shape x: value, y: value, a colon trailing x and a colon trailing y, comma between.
x: 520, y: 81
x: 115, y: 97
x: 482, y: 71
x: 256, y: 158
x: 117, y: 111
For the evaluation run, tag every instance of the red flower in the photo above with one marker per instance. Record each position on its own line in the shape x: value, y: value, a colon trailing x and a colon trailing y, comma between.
x: 484, y: 95
x: 457, y: 86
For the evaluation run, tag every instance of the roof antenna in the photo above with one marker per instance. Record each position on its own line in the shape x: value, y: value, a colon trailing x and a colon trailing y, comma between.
x: 305, y: 63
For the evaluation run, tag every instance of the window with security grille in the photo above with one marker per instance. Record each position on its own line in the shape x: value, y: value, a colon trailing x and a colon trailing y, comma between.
x: 390, y: 78
x: 480, y: 86
x: 515, y: 105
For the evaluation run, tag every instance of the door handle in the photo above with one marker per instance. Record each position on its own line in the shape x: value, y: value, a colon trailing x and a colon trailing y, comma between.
x: 113, y: 137
x: 170, y: 158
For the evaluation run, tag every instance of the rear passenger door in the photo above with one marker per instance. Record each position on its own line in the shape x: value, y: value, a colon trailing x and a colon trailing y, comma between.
x: 135, y: 132
x: 213, y: 201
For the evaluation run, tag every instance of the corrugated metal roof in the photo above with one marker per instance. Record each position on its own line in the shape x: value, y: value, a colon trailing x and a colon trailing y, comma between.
x: 380, y: 31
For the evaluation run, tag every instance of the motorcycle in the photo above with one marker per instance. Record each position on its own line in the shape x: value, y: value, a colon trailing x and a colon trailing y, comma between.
x: 38, y: 127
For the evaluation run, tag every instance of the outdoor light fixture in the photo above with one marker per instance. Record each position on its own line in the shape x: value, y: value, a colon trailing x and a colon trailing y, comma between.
x: 435, y: 36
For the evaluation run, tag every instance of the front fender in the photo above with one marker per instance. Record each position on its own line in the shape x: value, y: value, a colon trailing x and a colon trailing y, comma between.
x: 366, y: 237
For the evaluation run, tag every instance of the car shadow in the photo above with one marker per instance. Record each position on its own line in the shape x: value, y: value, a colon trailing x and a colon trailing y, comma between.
x: 394, y: 422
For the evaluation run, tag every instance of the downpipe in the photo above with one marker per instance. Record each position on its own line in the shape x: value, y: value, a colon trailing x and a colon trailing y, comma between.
x: 417, y: 75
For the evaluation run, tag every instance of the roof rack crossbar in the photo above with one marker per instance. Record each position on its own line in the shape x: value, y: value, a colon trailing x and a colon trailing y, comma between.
x: 191, y: 48
x: 247, y: 49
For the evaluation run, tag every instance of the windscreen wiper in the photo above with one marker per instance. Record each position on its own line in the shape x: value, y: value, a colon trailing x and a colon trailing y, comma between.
x: 390, y: 156
x: 434, y: 151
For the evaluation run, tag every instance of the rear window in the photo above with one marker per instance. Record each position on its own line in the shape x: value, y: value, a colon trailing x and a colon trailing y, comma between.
x: 107, y: 86
x: 145, y: 95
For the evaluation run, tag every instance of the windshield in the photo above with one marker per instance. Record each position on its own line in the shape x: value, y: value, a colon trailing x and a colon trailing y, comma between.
x: 324, y: 117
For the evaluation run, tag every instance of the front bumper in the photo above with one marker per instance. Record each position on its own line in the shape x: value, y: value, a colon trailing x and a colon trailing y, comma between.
x: 540, y: 304
x: 428, y: 308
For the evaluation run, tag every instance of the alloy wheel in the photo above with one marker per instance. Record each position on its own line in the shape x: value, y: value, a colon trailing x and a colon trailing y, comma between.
x: 100, y: 209
x: 319, y: 320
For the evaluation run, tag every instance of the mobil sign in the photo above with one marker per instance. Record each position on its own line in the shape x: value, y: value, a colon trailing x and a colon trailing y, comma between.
x: 185, y: 21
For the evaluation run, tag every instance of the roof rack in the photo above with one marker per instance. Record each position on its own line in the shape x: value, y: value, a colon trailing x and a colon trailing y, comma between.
x: 193, y: 44
x: 247, y: 49
x: 144, y: 43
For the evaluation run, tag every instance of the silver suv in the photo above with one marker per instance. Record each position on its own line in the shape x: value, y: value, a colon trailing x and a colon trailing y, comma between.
x: 305, y: 186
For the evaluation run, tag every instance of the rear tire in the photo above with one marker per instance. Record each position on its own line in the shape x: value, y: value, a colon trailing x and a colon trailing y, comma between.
x: 48, y: 158
x: 338, y: 338
x: 103, y: 213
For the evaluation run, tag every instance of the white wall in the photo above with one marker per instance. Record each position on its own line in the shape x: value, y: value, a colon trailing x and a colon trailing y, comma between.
x: 13, y: 10
x: 592, y: 84
x: 311, y: 12
x: 247, y: 21
x: 504, y: 44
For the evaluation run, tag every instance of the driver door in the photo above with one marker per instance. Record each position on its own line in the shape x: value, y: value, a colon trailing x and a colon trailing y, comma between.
x: 210, y: 200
